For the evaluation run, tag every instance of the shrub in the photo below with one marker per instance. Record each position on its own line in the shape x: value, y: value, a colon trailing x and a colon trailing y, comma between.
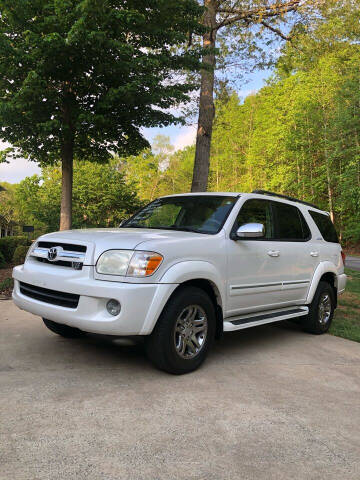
x: 9, y: 244
x: 2, y: 260
x: 20, y: 254
x: 6, y: 284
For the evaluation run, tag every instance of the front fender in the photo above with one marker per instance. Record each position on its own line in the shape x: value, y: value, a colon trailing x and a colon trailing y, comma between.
x: 195, y: 270
x: 192, y: 269
x: 180, y: 273
x: 322, y: 268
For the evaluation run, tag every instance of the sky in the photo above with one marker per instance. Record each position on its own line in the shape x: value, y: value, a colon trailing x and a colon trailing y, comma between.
x: 180, y: 136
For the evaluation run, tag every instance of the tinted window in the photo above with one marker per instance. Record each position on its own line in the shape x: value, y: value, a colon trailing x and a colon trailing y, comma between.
x: 194, y: 213
x: 290, y: 223
x: 325, y: 226
x: 256, y: 211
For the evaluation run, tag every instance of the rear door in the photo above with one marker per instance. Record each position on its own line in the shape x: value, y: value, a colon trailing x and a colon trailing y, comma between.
x: 299, y: 252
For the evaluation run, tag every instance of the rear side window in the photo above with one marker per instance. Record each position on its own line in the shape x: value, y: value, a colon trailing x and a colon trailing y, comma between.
x: 290, y: 223
x: 256, y: 211
x: 325, y: 226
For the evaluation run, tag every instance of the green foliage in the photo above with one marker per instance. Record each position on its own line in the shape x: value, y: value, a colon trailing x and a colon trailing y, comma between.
x: 85, y: 76
x: 101, y: 197
x: 159, y: 172
x: 299, y: 135
x: 20, y: 254
x: 2, y: 260
x: 7, y: 205
x: 8, y: 246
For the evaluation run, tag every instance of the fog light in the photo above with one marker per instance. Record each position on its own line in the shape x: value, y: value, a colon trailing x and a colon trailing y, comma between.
x: 113, y: 307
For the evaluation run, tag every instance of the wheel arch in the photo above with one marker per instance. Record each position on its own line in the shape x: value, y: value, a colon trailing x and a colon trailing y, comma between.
x: 213, y: 292
x: 201, y: 274
x: 325, y: 272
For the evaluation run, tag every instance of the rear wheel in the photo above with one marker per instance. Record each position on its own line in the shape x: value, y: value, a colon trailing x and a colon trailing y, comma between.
x: 184, y: 332
x: 63, y: 330
x: 321, y: 310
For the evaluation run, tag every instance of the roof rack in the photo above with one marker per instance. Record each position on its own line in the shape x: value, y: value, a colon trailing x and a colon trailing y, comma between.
x: 292, y: 199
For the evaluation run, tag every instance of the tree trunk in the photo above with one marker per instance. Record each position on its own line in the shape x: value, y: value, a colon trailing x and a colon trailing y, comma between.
x: 67, y: 184
x: 206, y: 107
x: 328, y: 175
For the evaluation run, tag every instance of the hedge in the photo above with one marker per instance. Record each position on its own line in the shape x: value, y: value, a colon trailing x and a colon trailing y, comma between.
x: 20, y: 254
x: 8, y: 246
x: 2, y: 261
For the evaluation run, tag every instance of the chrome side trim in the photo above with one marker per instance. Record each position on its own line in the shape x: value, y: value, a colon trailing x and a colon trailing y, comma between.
x: 286, y: 285
x: 259, y: 285
x: 296, y: 283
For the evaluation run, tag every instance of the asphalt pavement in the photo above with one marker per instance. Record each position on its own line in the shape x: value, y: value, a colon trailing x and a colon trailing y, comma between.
x: 353, y: 262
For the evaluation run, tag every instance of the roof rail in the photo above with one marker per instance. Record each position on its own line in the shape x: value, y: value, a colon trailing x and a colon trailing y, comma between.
x: 292, y: 199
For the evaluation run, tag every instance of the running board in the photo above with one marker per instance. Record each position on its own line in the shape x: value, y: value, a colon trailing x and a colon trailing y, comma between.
x: 261, y: 318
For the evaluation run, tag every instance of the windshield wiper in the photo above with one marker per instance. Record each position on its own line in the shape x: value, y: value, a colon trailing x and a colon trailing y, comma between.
x: 186, y: 229
x: 170, y: 227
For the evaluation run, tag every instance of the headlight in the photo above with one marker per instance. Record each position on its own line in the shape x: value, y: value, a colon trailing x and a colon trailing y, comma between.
x: 128, y: 263
x: 114, y: 262
x: 144, y: 264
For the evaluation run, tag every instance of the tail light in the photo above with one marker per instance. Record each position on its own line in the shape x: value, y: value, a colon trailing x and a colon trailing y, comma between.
x: 343, y: 256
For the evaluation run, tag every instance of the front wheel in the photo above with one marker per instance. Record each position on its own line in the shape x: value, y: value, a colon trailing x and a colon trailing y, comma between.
x: 184, y: 332
x: 321, y: 310
x: 63, y: 330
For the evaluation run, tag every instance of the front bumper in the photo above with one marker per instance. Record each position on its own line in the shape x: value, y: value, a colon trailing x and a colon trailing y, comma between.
x: 141, y: 304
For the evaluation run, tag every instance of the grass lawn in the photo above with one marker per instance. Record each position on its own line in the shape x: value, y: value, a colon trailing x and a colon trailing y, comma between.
x: 346, y: 322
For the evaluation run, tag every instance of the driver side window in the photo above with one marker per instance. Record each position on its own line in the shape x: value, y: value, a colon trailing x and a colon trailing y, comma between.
x: 256, y: 211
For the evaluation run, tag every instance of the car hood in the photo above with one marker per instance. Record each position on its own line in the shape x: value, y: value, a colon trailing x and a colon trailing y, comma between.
x: 102, y: 239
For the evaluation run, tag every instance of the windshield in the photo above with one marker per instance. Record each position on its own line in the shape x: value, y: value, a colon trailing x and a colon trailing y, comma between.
x: 192, y: 213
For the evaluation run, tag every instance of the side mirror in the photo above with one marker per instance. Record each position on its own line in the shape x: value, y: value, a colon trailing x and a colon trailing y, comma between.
x: 250, y: 230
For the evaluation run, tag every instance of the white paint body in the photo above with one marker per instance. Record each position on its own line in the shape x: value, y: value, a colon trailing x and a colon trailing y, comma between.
x: 244, y: 275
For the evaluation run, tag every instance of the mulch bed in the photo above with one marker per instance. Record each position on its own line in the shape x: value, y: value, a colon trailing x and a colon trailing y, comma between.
x: 4, y: 274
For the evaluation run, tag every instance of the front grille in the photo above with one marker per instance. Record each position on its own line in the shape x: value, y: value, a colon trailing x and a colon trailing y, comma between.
x: 60, y: 254
x: 69, y: 247
x: 62, y: 299
x: 59, y: 263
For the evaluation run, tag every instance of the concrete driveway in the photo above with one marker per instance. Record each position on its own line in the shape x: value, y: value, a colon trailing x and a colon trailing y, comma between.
x: 269, y: 403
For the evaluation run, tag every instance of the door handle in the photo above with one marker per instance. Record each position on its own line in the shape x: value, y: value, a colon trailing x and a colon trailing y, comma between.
x: 314, y: 254
x: 273, y: 253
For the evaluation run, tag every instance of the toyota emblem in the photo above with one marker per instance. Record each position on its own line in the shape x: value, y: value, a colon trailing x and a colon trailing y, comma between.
x: 52, y: 254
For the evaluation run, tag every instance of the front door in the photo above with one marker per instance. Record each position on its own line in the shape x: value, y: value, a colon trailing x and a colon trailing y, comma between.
x: 255, y: 273
x: 274, y: 271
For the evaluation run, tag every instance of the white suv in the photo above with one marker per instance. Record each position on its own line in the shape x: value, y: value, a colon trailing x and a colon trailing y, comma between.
x: 186, y: 268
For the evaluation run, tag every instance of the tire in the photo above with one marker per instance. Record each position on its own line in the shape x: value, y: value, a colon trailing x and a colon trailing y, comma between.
x: 63, y: 330
x: 321, y: 310
x: 184, y: 332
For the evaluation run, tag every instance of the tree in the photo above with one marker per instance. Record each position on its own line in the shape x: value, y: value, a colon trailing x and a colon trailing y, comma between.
x: 231, y: 17
x: 148, y: 169
x: 7, y: 203
x: 298, y: 135
x: 80, y: 78
x: 101, y: 196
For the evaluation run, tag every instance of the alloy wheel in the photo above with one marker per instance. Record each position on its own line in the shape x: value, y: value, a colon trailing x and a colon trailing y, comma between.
x: 190, y: 331
x: 325, y: 308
